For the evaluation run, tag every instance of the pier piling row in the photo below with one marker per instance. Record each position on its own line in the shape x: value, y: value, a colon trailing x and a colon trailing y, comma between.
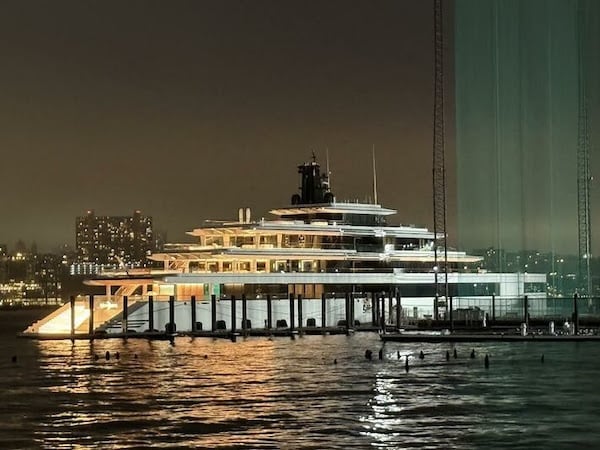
x: 342, y: 313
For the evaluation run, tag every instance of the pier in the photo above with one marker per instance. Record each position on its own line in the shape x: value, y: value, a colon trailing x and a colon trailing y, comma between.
x: 164, y: 318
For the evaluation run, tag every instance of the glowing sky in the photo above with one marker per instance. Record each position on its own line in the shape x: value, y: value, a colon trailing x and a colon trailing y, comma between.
x: 188, y: 110
x: 517, y: 105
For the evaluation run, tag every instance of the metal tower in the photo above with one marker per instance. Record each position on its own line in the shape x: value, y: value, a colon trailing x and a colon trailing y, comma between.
x: 439, y: 164
x: 583, y: 159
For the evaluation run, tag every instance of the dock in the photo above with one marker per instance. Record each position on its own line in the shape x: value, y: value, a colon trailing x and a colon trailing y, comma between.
x: 487, y: 337
x: 218, y: 334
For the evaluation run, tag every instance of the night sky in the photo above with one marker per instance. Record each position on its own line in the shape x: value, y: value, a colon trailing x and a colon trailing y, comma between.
x: 189, y: 110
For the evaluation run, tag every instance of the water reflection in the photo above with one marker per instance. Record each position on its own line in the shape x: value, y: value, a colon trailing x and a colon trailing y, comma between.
x: 261, y: 393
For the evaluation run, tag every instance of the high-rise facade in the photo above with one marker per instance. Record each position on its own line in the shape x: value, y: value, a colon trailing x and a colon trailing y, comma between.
x: 112, y: 240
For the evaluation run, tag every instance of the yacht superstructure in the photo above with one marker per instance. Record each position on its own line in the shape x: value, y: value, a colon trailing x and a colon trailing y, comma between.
x: 316, y: 248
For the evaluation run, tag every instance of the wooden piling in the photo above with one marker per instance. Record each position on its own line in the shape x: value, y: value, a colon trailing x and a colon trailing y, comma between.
x: 398, y: 309
x: 269, y: 312
x: 125, y: 314
x: 244, y: 315
x: 351, y: 304
x: 151, y: 313
x: 300, y: 313
x: 374, y: 315
x: 72, y: 301
x: 233, y: 315
x: 383, y: 313
x: 323, y: 310
x: 291, y: 313
x: 451, y: 314
x: 91, y: 319
x: 213, y: 313
x: 347, y: 311
x: 172, y: 314
x: 193, y: 311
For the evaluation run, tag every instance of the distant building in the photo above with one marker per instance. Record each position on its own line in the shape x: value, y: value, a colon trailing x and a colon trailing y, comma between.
x: 111, y: 240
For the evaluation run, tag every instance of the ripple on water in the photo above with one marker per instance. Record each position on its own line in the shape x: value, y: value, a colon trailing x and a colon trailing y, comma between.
x: 260, y: 393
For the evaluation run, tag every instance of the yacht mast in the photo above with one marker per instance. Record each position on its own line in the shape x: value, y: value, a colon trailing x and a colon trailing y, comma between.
x: 374, y: 178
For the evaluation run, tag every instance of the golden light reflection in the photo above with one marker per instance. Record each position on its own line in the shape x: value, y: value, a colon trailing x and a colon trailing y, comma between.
x: 195, y: 384
x: 61, y: 323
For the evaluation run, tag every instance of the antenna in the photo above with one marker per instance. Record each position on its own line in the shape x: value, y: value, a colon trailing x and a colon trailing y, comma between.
x: 374, y: 177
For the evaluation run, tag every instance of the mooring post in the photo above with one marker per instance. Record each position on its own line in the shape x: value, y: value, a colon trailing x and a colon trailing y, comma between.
x: 269, y: 312
x: 193, y: 311
x: 125, y: 312
x: 374, y: 314
x: 172, y: 327
x: 383, y: 313
x: 72, y: 301
x: 323, y: 310
x: 398, y: 309
x: 213, y: 313
x: 451, y: 315
x: 300, y: 315
x: 91, y: 319
x: 233, y: 315
x: 244, y: 315
x: 575, y: 314
x: 291, y: 313
x: 151, y: 313
x: 347, y: 311
x: 351, y: 304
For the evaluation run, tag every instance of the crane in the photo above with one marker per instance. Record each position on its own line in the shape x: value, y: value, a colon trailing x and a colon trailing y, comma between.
x: 439, y: 164
x: 583, y: 159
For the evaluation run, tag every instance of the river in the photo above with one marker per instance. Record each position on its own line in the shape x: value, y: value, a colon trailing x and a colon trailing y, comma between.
x: 314, y: 392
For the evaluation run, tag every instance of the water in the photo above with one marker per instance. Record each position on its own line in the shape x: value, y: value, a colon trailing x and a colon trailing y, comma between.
x: 284, y: 393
